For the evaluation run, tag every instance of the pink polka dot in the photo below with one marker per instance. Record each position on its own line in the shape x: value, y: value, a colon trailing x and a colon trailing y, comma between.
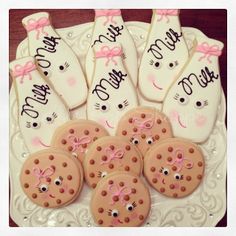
x: 71, y: 81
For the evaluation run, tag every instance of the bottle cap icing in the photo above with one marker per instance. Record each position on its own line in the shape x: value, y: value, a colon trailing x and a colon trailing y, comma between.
x: 40, y: 109
x: 192, y: 102
x: 55, y: 59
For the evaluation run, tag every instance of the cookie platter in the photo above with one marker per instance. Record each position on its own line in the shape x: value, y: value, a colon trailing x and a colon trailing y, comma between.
x: 204, y: 207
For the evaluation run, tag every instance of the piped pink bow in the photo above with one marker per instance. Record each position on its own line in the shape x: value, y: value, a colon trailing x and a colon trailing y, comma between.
x: 208, y: 51
x: 23, y: 70
x: 143, y: 125
x: 180, y: 161
x: 78, y: 142
x: 109, y: 53
x: 165, y: 13
x: 40, y: 174
x: 120, y: 192
x: 38, y: 25
x: 109, y: 14
x: 113, y: 155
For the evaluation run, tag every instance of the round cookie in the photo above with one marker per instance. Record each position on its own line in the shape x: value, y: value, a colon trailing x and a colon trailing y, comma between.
x: 109, y: 154
x: 76, y: 136
x: 144, y: 126
x: 174, y: 167
x: 51, y: 178
x: 121, y: 199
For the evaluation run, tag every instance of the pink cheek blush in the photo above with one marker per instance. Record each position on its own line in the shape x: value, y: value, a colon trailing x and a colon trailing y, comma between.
x: 151, y: 78
x: 35, y: 141
x: 200, y: 121
x: 71, y: 81
x: 173, y: 115
x: 134, y: 215
x: 114, y: 222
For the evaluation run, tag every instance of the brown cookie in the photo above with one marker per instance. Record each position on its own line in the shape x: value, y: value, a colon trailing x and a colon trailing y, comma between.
x: 121, y: 199
x: 76, y: 136
x: 51, y: 178
x: 174, y: 167
x: 109, y: 154
x: 144, y: 126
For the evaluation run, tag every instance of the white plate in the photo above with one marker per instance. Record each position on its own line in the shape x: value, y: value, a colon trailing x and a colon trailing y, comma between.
x: 205, y: 207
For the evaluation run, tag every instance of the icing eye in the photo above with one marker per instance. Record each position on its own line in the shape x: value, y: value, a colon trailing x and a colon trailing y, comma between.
x: 199, y: 104
x: 178, y: 176
x: 157, y: 65
x: 129, y: 207
x: 63, y: 67
x: 74, y: 154
x: 172, y: 64
x: 35, y: 125
x: 47, y: 73
x: 58, y: 181
x: 120, y: 106
x: 43, y: 188
x: 149, y: 141
x: 183, y: 100
x: 114, y: 213
x: 102, y: 174
x: 165, y: 171
x: 135, y: 141
x: 50, y: 119
x: 104, y: 108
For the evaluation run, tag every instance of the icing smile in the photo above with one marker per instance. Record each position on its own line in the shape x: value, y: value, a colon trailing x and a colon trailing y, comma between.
x: 42, y: 144
x: 50, y: 195
x: 181, y: 124
x: 108, y: 125
x: 154, y: 84
x: 163, y: 181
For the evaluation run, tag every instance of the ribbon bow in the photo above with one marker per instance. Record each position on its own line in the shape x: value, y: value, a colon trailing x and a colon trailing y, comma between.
x: 113, y: 155
x: 78, y: 142
x: 109, y: 14
x: 40, y: 174
x: 180, y: 160
x: 208, y: 51
x: 38, y: 25
x: 119, y: 192
x: 109, y: 53
x: 143, y: 124
x: 23, y: 71
x: 164, y: 13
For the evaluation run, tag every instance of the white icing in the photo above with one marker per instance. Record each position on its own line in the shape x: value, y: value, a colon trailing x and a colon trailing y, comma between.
x: 57, y: 60
x: 192, y: 102
x: 123, y: 37
x: 110, y: 91
x: 40, y: 109
x: 160, y: 65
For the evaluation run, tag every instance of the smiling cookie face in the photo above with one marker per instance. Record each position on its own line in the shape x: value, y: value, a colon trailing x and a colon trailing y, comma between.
x: 41, y: 111
x: 51, y: 178
x: 144, y: 127
x: 77, y: 136
x: 109, y: 154
x: 120, y: 200
x: 165, y: 55
x: 174, y: 168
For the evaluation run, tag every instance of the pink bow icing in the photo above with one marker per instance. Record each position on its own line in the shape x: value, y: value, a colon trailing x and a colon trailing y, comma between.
x: 38, y: 25
x: 113, y: 155
x: 23, y: 71
x: 109, y: 14
x: 164, y: 13
x: 40, y: 174
x: 109, y: 53
x: 119, y: 192
x: 78, y: 142
x: 180, y: 160
x: 143, y: 124
x: 208, y: 51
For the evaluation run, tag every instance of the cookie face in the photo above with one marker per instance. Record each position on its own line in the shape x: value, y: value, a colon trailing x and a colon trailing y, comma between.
x: 144, y: 127
x: 77, y: 136
x: 120, y: 200
x: 109, y: 154
x: 175, y: 167
x: 51, y: 178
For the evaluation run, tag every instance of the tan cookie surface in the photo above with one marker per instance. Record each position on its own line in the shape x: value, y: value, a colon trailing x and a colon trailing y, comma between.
x: 120, y: 200
x: 144, y: 127
x: 76, y: 136
x: 51, y: 178
x: 175, y: 167
x: 109, y: 154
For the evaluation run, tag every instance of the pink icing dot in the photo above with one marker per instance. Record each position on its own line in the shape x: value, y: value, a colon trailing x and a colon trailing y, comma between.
x: 71, y: 81
x: 200, y: 120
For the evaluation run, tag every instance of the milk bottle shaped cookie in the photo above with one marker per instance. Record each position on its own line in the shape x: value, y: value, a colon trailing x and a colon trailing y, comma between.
x: 109, y: 27
x: 192, y: 102
x: 164, y: 56
x: 112, y: 92
x: 55, y: 59
x: 40, y: 109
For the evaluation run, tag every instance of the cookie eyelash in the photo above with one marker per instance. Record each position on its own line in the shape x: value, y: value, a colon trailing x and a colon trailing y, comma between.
x: 181, y: 177
x: 40, y: 190
x: 161, y: 170
x: 126, y: 103
x: 28, y: 124
x: 99, y: 174
x: 134, y: 204
x: 67, y: 64
x: 176, y: 96
x: 151, y: 62
x: 54, y: 115
x: 176, y: 63
x: 123, y: 56
x: 109, y: 212
x: 97, y: 106
x: 206, y: 103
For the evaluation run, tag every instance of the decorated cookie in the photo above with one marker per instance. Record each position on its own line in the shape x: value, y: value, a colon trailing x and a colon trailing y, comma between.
x: 174, y: 167
x: 192, y: 102
x: 109, y: 154
x: 76, y: 136
x: 165, y: 55
x: 55, y: 59
x: 144, y: 127
x: 40, y: 109
x: 112, y: 92
x: 120, y: 200
x: 51, y: 178
x: 109, y: 27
